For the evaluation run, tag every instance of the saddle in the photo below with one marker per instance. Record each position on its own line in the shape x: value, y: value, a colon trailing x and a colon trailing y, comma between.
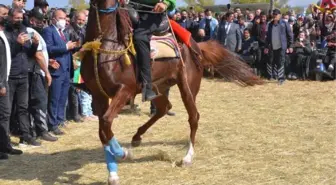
x: 164, y: 47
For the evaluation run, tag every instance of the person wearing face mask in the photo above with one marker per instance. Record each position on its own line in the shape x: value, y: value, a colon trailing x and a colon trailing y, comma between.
x: 22, y: 46
x: 302, y: 50
x: 21, y: 4
x: 285, y: 17
x: 189, y: 24
x: 5, y: 64
x: 61, y: 69
x: 39, y: 79
x: 207, y: 26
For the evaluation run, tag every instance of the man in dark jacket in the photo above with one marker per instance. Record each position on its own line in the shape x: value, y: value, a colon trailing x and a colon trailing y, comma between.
x: 76, y: 31
x: 279, y: 41
x: 5, y: 62
x: 21, y: 45
x: 259, y: 32
x: 248, y: 50
x: 190, y: 25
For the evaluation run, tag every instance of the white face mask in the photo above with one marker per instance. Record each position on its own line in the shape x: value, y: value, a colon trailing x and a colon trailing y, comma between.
x: 301, y: 39
x: 209, y: 17
x: 61, y: 24
x: 286, y: 20
x: 80, y: 26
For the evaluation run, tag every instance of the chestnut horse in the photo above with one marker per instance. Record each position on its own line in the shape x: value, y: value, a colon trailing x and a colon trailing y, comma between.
x: 116, y: 80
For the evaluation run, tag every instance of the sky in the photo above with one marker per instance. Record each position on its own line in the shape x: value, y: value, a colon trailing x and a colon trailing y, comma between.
x: 63, y: 3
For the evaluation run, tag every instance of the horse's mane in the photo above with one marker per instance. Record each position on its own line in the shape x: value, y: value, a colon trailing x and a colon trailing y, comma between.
x: 124, y: 25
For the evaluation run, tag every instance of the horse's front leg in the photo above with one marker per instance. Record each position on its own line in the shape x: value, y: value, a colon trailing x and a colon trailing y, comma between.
x: 113, y: 151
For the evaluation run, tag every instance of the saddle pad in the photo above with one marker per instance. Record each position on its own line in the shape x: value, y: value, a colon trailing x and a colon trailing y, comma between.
x: 163, y: 47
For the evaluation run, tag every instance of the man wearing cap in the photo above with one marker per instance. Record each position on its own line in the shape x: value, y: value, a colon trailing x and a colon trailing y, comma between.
x: 43, y: 4
x: 39, y: 78
x: 279, y: 41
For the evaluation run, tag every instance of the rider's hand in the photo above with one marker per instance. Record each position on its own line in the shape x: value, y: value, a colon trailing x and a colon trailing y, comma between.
x: 160, y: 7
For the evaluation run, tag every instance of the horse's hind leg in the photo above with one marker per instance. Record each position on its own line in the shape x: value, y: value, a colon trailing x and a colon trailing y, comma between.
x: 189, y: 89
x: 112, y: 149
x: 162, y: 105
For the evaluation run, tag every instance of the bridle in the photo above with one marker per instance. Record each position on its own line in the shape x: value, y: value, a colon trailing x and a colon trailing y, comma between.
x: 95, y: 46
x: 105, y: 11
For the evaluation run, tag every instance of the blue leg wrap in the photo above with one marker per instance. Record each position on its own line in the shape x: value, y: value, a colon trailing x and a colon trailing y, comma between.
x: 111, y: 162
x: 116, y: 148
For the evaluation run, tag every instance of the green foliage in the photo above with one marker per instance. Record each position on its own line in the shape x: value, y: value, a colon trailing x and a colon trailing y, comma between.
x: 249, y: 1
x: 79, y: 4
x: 199, y: 4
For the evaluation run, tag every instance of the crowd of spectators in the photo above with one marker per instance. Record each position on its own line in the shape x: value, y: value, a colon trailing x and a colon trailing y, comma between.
x: 278, y: 45
x: 36, y: 73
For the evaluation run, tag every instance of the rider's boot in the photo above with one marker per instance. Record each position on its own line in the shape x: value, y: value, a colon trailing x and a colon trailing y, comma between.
x: 147, y: 93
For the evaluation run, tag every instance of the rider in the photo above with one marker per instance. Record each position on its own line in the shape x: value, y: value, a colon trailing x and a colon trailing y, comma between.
x: 149, y: 21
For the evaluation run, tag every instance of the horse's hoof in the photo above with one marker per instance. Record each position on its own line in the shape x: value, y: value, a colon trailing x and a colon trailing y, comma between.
x: 128, y: 154
x: 113, y: 181
x: 136, y: 143
x: 186, y: 163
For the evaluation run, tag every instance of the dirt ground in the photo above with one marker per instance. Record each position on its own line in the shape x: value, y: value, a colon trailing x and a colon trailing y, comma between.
x: 267, y: 134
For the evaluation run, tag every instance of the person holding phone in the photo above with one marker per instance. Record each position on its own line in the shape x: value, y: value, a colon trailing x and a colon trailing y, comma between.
x: 21, y: 47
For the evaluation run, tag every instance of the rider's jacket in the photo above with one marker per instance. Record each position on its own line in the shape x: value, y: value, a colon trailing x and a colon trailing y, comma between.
x: 170, y: 3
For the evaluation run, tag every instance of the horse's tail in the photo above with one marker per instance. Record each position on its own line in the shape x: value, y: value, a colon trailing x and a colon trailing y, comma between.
x: 227, y: 64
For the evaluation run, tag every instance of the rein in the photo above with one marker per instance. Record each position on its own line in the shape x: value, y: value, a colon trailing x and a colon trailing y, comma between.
x: 95, y: 46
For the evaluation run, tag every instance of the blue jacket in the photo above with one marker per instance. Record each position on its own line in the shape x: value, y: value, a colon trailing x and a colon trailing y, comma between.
x: 286, y: 35
x: 213, y: 26
x: 57, y: 50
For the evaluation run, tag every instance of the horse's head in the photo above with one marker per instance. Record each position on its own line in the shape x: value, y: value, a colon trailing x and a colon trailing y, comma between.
x: 109, y: 18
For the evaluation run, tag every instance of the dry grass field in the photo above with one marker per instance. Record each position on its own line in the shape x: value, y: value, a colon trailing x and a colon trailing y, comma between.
x: 257, y: 135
